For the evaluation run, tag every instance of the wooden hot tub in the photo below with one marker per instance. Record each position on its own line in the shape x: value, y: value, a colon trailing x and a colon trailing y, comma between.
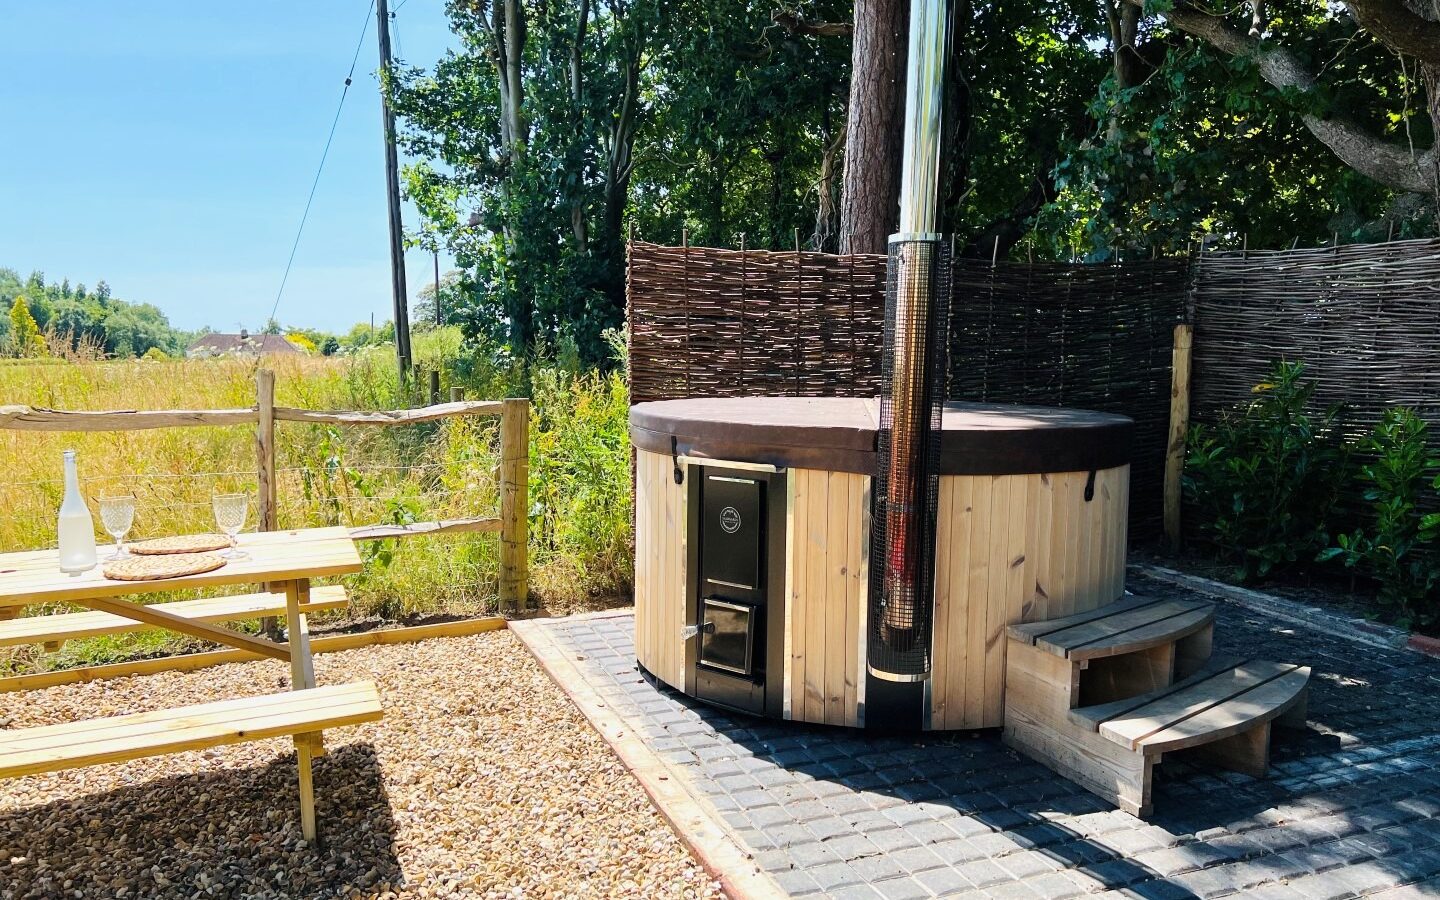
x: 773, y: 494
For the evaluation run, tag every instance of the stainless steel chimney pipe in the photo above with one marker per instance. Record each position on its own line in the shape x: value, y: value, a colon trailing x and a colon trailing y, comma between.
x: 924, y: 101
x: 902, y: 560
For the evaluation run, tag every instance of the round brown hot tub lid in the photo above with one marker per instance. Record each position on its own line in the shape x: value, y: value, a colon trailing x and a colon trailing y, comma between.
x: 838, y: 434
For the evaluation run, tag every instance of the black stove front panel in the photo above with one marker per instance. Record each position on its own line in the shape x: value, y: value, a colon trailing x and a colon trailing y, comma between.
x: 736, y: 561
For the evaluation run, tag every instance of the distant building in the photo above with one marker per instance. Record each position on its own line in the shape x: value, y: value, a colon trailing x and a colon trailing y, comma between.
x: 242, y: 344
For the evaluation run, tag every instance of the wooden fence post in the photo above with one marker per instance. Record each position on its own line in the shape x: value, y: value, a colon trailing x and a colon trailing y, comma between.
x: 265, y: 446
x: 1179, y: 427
x: 457, y: 395
x: 265, y: 463
x: 514, y: 502
x: 435, y: 386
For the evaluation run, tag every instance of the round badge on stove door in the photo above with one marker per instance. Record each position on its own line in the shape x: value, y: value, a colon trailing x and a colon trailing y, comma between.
x: 730, y: 519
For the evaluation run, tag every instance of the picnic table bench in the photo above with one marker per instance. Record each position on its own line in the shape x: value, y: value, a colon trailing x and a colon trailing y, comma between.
x: 285, y: 561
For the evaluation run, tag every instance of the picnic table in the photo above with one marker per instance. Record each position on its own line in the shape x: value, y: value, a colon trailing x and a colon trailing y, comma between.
x: 283, y: 561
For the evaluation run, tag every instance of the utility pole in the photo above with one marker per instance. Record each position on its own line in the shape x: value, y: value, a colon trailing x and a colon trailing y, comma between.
x: 439, y: 319
x: 392, y: 188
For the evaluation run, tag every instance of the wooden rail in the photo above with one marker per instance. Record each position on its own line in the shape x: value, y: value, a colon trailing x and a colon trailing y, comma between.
x: 28, y: 418
x: 512, y: 475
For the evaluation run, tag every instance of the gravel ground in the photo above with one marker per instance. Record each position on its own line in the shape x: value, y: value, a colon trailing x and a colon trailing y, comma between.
x: 482, y: 781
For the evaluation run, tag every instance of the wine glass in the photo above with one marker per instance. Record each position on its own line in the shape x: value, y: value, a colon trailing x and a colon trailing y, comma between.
x: 117, y: 514
x: 230, y: 510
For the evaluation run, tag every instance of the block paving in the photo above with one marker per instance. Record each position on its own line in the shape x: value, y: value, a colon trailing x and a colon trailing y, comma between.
x: 1350, y: 807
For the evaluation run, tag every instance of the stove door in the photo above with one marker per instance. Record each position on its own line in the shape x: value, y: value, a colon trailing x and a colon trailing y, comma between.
x: 732, y: 536
x: 727, y: 635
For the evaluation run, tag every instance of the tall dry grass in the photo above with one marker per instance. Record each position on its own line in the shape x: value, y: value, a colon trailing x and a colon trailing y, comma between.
x: 332, y: 475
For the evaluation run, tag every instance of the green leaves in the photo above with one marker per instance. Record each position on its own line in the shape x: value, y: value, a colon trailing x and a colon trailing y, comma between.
x: 1265, y: 479
x: 1395, y: 541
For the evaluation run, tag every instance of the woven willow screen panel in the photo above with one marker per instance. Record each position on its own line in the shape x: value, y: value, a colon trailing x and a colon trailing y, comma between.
x: 1364, y: 318
x: 728, y: 323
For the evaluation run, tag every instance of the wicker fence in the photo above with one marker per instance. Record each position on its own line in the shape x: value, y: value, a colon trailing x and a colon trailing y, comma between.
x: 726, y: 323
x: 1364, y: 318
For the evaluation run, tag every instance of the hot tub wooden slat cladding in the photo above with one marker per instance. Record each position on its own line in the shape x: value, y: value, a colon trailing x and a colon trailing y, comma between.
x: 837, y: 558
x: 1010, y: 548
x: 1015, y: 548
x: 816, y: 536
x: 659, y: 570
x: 824, y: 616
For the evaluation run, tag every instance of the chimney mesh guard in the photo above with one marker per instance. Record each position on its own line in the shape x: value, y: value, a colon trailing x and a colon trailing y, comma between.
x: 907, y: 488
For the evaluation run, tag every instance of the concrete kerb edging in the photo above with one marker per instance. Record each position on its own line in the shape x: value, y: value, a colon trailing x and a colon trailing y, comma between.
x: 698, y: 824
x: 1359, y: 630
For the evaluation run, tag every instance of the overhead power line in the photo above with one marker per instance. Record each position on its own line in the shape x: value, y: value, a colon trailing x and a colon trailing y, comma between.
x: 324, y: 154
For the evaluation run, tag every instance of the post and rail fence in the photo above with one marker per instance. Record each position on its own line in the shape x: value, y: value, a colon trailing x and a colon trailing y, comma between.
x: 512, y: 476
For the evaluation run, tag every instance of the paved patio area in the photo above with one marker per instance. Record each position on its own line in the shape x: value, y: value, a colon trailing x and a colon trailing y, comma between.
x: 1351, y: 806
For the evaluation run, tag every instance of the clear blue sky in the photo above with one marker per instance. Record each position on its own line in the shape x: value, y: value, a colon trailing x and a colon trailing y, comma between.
x: 168, y: 147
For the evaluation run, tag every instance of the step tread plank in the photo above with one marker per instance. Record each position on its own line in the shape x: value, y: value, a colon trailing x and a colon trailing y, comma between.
x: 1178, y: 705
x: 118, y: 738
x: 1114, y: 628
x: 1090, y: 717
x: 72, y: 626
x: 1143, y: 637
x: 1254, y: 707
x: 1029, y: 632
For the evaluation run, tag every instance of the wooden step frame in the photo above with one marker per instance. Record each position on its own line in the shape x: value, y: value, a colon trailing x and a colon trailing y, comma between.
x: 1040, y: 691
x: 54, y: 629
x: 1103, y: 709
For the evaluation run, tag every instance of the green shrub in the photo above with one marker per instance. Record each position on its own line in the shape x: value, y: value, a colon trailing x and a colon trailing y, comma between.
x: 1395, y: 532
x: 580, y: 485
x: 1264, y: 480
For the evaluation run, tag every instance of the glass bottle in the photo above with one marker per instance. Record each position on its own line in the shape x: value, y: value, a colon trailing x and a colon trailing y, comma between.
x: 76, y: 528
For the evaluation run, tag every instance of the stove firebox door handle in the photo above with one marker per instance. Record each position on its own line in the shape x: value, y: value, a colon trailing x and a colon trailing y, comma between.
x: 693, y: 631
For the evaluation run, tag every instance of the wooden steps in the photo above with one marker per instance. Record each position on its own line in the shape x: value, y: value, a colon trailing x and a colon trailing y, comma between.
x: 1102, y: 695
x: 1127, y: 626
x: 29, y: 751
x: 52, y: 630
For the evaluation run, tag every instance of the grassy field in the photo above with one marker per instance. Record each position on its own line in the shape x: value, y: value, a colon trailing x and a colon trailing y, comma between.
x: 335, y: 476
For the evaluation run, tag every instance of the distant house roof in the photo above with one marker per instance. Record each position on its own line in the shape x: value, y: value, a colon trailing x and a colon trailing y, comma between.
x: 217, y: 344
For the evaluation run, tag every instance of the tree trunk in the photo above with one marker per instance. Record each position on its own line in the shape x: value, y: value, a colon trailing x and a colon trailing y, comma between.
x: 822, y: 240
x: 578, y: 223
x: 1126, y: 62
x: 1430, y: 75
x: 870, y: 192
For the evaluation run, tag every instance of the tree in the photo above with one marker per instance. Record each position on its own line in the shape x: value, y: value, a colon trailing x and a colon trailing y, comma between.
x: 454, y: 300
x: 95, y: 320
x: 534, y: 123
x: 1406, y: 30
x: 135, y: 328
x: 1259, y: 132
x: 706, y: 118
x: 870, y: 198
x: 25, y: 336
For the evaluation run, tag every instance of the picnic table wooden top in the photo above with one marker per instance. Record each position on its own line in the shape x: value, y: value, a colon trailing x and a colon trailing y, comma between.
x: 34, y: 576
